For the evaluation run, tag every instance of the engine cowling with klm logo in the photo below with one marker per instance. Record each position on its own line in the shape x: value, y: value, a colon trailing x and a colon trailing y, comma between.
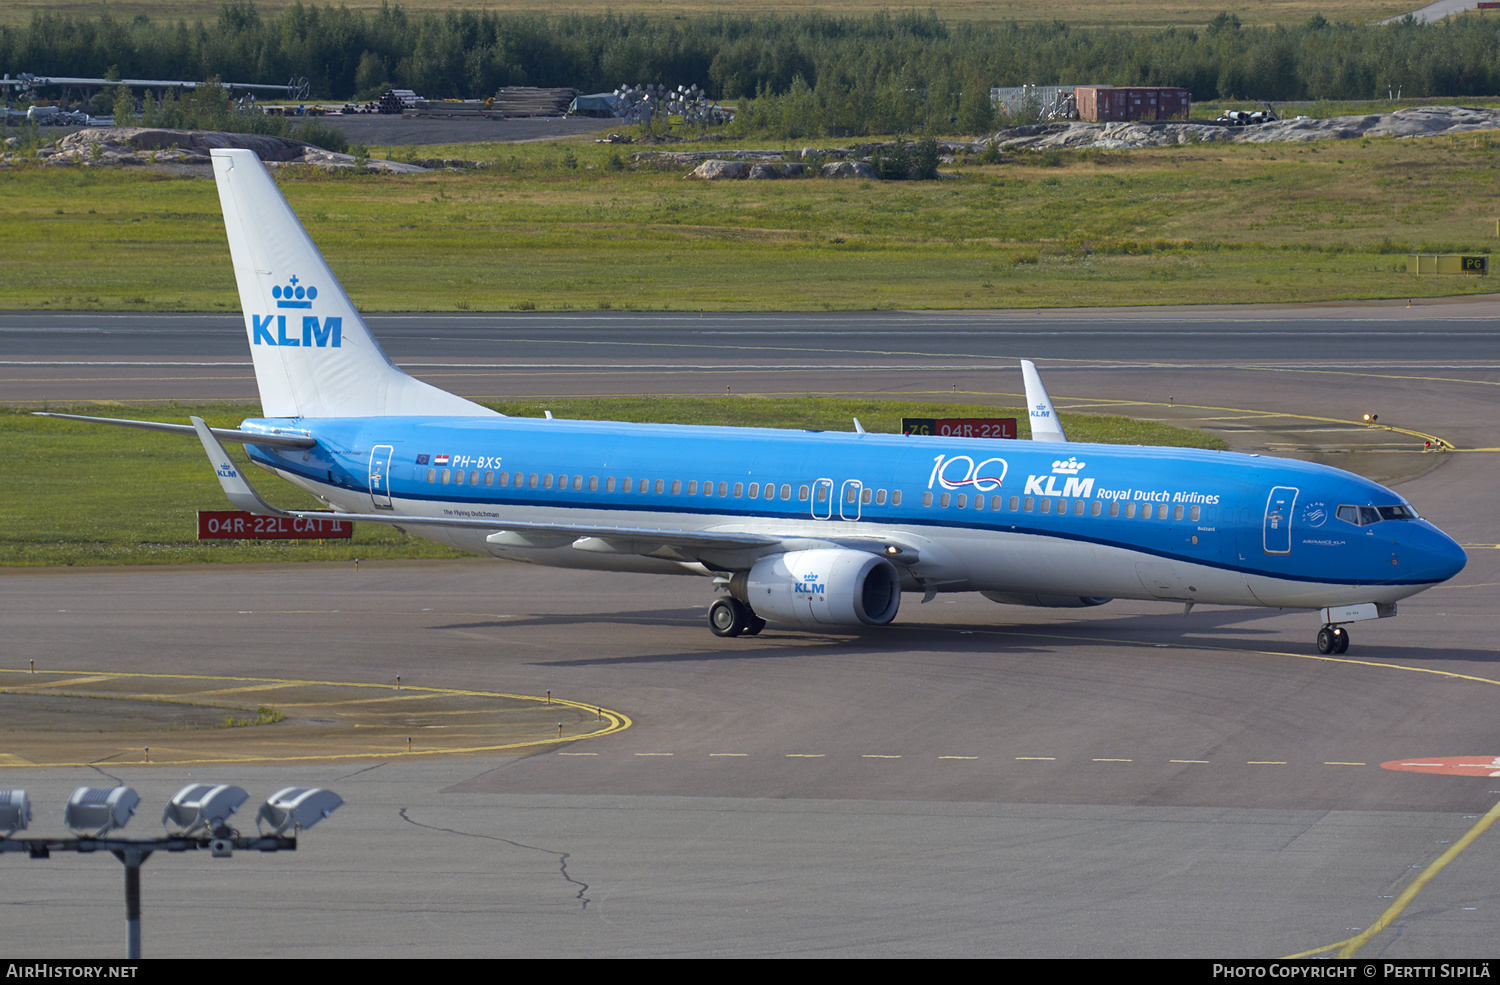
x: 828, y: 587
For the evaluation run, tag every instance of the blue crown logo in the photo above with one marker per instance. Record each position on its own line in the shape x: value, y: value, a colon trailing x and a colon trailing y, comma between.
x: 294, y: 295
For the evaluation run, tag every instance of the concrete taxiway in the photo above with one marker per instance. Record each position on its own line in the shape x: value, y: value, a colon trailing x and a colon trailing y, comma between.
x: 975, y: 780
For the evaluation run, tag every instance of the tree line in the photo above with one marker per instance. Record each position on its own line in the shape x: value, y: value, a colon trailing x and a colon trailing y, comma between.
x: 805, y: 73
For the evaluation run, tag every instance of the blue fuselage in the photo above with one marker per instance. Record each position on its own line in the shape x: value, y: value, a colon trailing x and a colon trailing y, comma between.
x: 999, y: 516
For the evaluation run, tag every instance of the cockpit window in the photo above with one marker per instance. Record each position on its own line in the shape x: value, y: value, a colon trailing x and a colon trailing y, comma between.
x: 1363, y: 516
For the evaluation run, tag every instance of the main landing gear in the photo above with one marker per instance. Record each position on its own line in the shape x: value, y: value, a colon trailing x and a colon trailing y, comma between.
x: 731, y: 617
x: 1333, y: 639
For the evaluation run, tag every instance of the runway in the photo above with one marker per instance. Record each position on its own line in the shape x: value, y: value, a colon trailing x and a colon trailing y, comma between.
x: 978, y: 780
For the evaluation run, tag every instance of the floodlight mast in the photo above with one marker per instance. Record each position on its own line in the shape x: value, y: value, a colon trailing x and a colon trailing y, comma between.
x: 199, y: 811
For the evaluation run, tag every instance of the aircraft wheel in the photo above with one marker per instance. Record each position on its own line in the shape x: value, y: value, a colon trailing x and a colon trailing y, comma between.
x: 1341, y: 639
x: 1326, y: 640
x: 727, y: 617
x: 754, y: 625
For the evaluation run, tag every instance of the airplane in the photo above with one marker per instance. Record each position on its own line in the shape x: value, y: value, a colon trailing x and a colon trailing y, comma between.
x: 811, y: 529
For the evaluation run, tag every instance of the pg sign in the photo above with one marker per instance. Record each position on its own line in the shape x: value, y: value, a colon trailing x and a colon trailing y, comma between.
x: 239, y: 525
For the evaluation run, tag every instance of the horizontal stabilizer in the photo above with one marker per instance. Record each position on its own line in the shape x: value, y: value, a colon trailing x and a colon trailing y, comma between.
x: 223, y: 434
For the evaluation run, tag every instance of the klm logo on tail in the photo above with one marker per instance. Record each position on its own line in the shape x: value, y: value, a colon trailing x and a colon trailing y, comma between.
x: 320, y: 333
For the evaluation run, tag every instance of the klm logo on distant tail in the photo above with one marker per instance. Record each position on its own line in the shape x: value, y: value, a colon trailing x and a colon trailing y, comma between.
x: 326, y: 333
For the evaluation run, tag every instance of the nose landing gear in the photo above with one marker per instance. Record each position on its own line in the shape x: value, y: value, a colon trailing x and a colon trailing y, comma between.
x: 1333, y: 639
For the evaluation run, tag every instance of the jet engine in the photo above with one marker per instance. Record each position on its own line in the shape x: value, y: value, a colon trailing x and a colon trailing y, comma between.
x: 1045, y: 601
x: 830, y: 587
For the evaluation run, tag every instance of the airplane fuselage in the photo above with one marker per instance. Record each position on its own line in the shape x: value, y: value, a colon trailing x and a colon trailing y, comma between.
x: 1052, y: 522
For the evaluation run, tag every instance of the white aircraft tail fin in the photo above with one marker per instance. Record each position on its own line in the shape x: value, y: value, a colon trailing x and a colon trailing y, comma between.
x: 1044, y: 423
x: 313, y: 354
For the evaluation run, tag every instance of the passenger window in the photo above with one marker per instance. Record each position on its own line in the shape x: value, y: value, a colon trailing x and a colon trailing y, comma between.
x: 946, y: 500
x: 822, y: 494
x: 979, y: 501
x: 609, y: 484
x: 963, y: 501
x: 786, y: 490
x: 661, y: 486
x: 739, y: 490
x: 1095, y: 508
x: 474, y: 478
x: 880, y: 497
x: 1015, y: 503
x: 593, y: 483
x: 997, y: 503
x: 676, y: 487
x: 629, y: 484
x: 518, y: 479
x: 1195, y: 513
x: 1177, y: 512
x: 754, y: 490
x: 1030, y: 502
x: 1146, y: 510
x: 578, y: 483
x: 532, y: 480
x: 867, y: 497
x: 692, y: 486
x: 896, y: 498
x: 489, y: 478
x: 504, y: 478
x: 432, y: 475
x: 446, y: 476
x: 1130, y: 511
x: 1046, y: 506
x: 803, y: 493
x: 1078, y: 507
x: 927, y: 499
x: 724, y: 489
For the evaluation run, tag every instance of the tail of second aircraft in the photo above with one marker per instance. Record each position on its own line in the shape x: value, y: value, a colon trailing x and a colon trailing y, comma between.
x: 313, y: 354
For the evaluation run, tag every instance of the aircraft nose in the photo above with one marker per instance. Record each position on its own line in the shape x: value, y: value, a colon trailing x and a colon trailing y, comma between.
x: 1434, y: 556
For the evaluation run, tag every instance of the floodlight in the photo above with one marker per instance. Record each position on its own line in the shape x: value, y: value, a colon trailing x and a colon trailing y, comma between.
x: 202, y: 806
x: 15, y: 811
x: 100, y: 809
x: 297, y: 808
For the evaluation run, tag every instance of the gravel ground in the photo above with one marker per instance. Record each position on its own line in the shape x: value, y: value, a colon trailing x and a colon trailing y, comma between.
x: 377, y: 130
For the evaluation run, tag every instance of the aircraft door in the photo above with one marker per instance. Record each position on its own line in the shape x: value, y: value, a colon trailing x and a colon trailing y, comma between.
x: 822, y: 499
x: 1276, y: 532
x: 849, y: 498
x: 380, y: 476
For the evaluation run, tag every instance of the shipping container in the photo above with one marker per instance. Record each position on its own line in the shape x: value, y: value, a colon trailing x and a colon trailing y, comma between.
x: 1108, y: 104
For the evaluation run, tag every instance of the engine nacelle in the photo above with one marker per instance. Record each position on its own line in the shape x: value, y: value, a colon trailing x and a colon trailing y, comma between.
x: 1045, y: 601
x: 831, y: 587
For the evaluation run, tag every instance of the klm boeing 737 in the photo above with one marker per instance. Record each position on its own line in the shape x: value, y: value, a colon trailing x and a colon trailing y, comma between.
x: 798, y: 528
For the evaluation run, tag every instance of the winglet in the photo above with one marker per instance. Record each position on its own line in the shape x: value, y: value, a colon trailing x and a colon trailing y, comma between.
x: 1044, y: 423
x: 236, y: 486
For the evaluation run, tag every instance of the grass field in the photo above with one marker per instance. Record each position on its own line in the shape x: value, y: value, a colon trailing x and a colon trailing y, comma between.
x: 1082, y: 12
x: 1229, y: 223
x: 84, y: 494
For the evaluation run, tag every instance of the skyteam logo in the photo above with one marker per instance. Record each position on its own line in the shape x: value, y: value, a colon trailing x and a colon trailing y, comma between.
x: 1046, y: 485
x: 326, y: 333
